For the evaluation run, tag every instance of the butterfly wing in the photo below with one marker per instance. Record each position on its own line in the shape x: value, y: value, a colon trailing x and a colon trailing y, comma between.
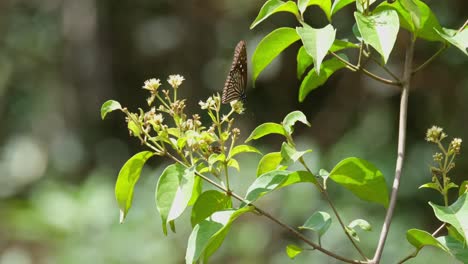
x: 236, y: 82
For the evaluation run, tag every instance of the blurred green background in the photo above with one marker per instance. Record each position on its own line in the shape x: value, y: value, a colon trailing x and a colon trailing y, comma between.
x: 61, y: 59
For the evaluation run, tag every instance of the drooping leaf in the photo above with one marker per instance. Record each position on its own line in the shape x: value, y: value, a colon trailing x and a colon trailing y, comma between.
x: 362, y: 178
x: 173, y: 192
x: 270, y: 47
x: 108, y: 107
x: 274, y: 6
x: 317, y: 42
x: 292, y: 118
x: 420, y: 238
x: 318, y: 222
x: 209, y: 202
x: 266, y: 129
x: 128, y: 177
x: 292, y: 251
x: 455, y: 247
x: 455, y: 214
x: 457, y: 39
x: 275, y: 180
x: 242, y: 149
x: 197, y: 189
x: 314, y: 80
x: 290, y: 155
x: 430, y: 185
x: 208, y: 235
x: 269, y: 162
x: 233, y: 164
x: 463, y: 188
x: 363, y: 224
x: 379, y: 30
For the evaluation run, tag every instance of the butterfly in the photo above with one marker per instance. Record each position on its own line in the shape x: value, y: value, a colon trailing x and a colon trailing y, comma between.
x: 236, y: 81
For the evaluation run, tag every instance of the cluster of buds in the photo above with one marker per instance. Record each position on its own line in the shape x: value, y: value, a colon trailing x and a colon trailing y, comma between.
x: 166, y: 124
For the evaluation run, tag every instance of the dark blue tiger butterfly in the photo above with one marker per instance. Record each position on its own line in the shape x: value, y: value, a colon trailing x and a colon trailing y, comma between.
x: 234, y: 87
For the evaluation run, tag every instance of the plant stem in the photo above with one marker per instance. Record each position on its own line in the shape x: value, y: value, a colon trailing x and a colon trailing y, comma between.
x: 327, y: 198
x: 401, y: 150
x: 267, y: 215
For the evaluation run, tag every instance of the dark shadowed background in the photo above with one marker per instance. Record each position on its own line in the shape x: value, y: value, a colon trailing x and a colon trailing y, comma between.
x: 61, y: 59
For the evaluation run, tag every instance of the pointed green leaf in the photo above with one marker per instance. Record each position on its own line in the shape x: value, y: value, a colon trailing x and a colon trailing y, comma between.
x: 293, y: 250
x: 318, y: 222
x: 455, y: 247
x: 173, y: 192
x: 209, y: 202
x: 379, y: 30
x: 269, y: 162
x: 275, y: 180
x: 270, y: 47
x: 455, y: 214
x: 128, y: 177
x: 207, y: 236
x: 362, y: 178
x: 292, y: 118
x: 266, y: 129
x: 312, y: 80
x: 243, y: 148
x: 453, y: 232
x: 233, y: 164
x: 457, y: 39
x: 430, y: 185
x: 317, y: 42
x: 339, y: 4
x: 197, y: 188
x: 274, y: 6
x: 428, y: 23
x: 108, y: 107
x: 420, y: 238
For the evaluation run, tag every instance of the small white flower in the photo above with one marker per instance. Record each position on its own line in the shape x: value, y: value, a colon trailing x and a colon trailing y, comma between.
x: 152, y: 84
x: 175, y: 80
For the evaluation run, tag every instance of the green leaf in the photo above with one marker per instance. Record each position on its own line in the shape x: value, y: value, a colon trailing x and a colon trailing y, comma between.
x: 274, y: 6
x: 213, y: 158
x: 362, y: 178
x: 292, y: 118
x: 317, y: 42
x: 360, y: 5
x: 128, y: 177
x: 430, y: 185
x: 266, y: 129
x: 293, y: 250
x: 243, y: 148
x: 208, y: 235
x: 412, y: 8
x: 455, y: 247
x: 420, y: 238
x: 269, y: 162
x: 275, y: 180
x: 455, y: 214
x: 197, y: 188
x: 352, y: 233
x: 379, y: 30
x: 457, y: 39
x: 234, y: 164
x: 318, y: 222
x: 270, y: 47
x: 209, y: 202
x: 363, y: 224
x: 134, y: 128
x: 173, y: 192
x: 428, y: 23
x: 290, y: 155
x: 325, y: 5
x: 108, y: 107
x: 453, y: 232
x: 463, y: 188
x: 339, y: 4
x: 314, y: 80
x: 304, y: 60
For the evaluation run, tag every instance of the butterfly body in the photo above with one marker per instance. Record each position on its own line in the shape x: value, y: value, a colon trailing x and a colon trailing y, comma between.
x: 236, y: 82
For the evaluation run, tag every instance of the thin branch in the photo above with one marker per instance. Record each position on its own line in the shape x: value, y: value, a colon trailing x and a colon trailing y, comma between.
x: 433, y: 57
x: 327, y: 198
x: 267, y: 215
x: 439, y: 229
x: 385, y: 68
x: 352, y: 67
x: 401, y: 150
